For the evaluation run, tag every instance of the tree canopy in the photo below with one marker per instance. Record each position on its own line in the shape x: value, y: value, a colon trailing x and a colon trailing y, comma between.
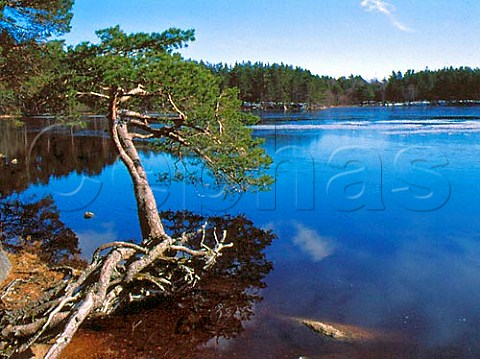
x: 27, y: 60
x: 139, y: 75
x: 25, y: 20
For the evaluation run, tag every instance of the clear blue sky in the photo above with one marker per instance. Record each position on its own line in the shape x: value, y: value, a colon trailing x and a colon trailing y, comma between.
x: 329, y: 37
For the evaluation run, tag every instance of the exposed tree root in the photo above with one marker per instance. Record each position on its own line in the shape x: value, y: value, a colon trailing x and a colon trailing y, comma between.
x: 118, y: 274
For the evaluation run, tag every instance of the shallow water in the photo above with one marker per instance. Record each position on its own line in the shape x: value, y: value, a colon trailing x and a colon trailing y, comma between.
x: 376, y: 210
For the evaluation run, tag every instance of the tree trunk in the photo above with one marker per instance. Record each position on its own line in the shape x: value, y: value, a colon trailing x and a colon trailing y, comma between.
x: 5, y: 265
x: 150, y: 222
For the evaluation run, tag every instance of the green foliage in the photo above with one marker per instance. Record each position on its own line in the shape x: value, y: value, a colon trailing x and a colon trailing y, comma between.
x: 27, y: 72
x: 114, y: 41
x: 121, y: 60
x: 225, y: 144
x: 26, y: 20
x: 448, y: 84
x: 282, y: 84
x: 203, y: 121
x: 275, y: 85
x: 27, y: 62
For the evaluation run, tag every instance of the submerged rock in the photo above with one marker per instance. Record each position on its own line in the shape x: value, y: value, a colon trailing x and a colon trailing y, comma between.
x: 327, y: 330
x: 88, y: 215
x: 347, y: 333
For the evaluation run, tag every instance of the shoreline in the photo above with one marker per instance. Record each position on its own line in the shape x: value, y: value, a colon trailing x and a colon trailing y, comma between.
x: 295, y: 108
x: 303, y: 107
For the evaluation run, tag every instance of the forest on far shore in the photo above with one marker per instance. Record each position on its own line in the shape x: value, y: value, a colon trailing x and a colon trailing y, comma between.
x: 33, y: 73
x: 283, y: 84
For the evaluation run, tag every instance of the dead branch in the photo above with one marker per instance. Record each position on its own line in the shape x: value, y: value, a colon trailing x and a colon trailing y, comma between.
x: 142, y: 137
x: 177, y: 110
x: 134, y: 114
x: 95, y: 94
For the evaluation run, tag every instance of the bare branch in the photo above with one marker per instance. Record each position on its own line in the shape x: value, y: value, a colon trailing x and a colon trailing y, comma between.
x: 156, y: 281
x: 156, y: 132
x: 148, y: 259
x: 118, y: 245
x: 137, y: 91
x: 78, y: 318
x: 182, y: 115
x: 134, y: 114
x: 142, y: 137
x: 95, y: 94
x: 146, y: 118
x: 192, y: 252
x: 31, y: 328
x: 217, y: 111
x: 10, y: 287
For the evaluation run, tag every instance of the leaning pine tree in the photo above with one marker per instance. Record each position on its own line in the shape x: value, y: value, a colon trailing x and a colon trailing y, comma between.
x: 133, y: 76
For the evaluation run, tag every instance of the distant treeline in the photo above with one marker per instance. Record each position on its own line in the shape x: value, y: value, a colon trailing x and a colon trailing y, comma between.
x: 31, y: 80
x: 279, y: 85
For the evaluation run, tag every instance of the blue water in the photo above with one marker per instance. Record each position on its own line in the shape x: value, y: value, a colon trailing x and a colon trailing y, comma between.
x: 377, y: 212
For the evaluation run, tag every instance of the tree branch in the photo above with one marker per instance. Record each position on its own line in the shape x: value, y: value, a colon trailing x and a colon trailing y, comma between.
x: 140, y: 136
x: 176, y: 136
x: 182, y: 115
x: 91, y: 93
x: 134, y: 114
x: 116, y: 245
x: 137, y: 91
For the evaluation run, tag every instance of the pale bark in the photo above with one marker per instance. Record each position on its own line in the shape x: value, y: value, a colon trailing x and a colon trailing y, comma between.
x: 149, y: 218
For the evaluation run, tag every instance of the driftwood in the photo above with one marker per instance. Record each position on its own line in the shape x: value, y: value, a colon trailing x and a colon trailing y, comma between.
x: 119, y: 274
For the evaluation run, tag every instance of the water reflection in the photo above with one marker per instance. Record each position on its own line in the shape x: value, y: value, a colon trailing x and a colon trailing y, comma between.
x: 34, y: 156
x: 36, y: 224
x: 382, y: 266
x: 184, y: 326
x: 313, y: 244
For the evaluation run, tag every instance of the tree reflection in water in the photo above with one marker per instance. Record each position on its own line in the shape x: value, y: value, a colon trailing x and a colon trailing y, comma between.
x: 42, y: 150
x: 37, y: 224
x: 181, y: 326
x: 172, y: 327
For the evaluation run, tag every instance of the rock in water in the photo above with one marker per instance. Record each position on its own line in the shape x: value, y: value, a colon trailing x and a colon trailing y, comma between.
x: 345, y: 332
x: 5, y: 266
x: 88, y: 215
x: 327, y: 330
